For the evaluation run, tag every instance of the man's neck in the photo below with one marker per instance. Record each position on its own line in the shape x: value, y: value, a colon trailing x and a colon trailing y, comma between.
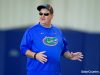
x: 46, y: 25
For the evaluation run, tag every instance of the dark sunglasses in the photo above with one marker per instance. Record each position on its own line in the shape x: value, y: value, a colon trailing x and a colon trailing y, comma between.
x: 45, y: 14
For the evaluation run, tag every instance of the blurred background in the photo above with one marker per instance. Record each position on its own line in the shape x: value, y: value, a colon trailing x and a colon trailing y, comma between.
x: 78, y: 20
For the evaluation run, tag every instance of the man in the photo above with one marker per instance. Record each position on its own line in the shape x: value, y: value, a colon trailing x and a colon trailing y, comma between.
x: 43, y: 44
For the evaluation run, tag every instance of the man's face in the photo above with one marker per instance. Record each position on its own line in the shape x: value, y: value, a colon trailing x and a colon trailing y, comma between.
x: 45, y: 17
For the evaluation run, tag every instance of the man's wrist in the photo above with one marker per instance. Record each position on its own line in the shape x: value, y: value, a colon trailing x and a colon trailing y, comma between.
x: 68, y: 55
x: 35, y: 55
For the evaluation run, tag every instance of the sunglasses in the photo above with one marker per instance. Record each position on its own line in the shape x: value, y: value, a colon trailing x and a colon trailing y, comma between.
x: 45, y: 14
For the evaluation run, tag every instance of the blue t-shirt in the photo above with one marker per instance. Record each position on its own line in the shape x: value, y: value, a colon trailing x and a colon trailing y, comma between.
x: 38, y: 38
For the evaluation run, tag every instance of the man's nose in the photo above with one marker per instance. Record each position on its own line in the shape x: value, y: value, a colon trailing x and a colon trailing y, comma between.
x: 43, y: 15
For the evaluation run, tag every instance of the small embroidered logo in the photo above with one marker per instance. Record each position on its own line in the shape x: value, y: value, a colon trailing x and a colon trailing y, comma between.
x: 50, y: 41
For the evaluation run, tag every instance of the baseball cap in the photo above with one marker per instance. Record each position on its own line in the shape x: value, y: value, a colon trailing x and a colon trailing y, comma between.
x: 47, y: 6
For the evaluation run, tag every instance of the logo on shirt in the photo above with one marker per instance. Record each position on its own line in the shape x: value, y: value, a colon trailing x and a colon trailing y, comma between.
x: 50, y: 41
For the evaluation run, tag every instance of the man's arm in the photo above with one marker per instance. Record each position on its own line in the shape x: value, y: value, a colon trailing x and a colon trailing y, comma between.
x: 39, y: 56
x: 30, y: 54
x: 73, y: 56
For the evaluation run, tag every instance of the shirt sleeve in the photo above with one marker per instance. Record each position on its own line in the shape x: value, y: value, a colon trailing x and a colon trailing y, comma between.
x: 65, y: 45
x: 26, y: 43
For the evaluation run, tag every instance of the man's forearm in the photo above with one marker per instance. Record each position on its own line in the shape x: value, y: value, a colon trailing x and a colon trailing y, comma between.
x: 68, y: 55
x: 30, y: 54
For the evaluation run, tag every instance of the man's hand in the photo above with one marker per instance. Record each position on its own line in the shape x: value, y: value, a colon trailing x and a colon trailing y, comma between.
x: 41, y: 57
x: 74, y: 56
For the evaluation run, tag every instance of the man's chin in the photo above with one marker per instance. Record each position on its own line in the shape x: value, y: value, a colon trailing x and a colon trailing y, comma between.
x: 43, y: 23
